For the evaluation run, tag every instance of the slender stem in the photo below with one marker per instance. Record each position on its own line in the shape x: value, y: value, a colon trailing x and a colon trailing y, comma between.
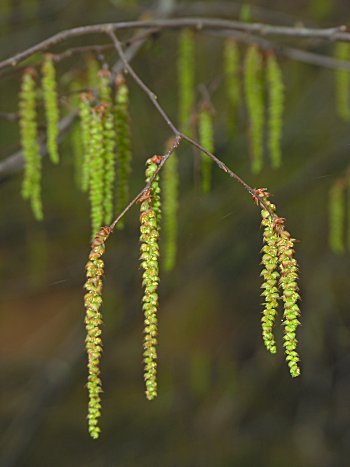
x: 333, y: 34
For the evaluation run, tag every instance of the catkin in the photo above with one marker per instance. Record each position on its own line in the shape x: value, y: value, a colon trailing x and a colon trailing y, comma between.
x: 276, y: 105
x: 92, y: 68
x: 186, y: 79
x: 255, y: 105
x: 149, y: 249
x: 31, y: 187
x: 93, y: 322
x: 85, y: 113
x: 336, y: 217
x: 51, y: 106
x: 206, y: 139
x: 96, y: 157
x: 232, y: 81
x: 170, y: 207
x: 124, y: 155
x: 342, y: 83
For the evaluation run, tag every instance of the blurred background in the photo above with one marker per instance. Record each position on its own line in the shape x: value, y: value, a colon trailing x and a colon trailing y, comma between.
x: 223, y: 399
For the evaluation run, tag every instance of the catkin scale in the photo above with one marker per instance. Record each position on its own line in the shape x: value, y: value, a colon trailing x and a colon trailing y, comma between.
x: 31, y: 186
x: 51, y: 106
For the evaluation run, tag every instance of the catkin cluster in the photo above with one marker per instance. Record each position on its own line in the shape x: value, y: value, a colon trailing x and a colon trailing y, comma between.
x: 93, y: 322
x: 149, y: 249
x: 31, y: 187
x: 51, y: 106
x: 280, y: 281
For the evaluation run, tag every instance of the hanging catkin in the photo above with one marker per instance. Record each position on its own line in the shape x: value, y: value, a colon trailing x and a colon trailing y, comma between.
x: 186, y: 79
x: 124, y: 155
x: 92, y: 69
x: 206, y: 139
x: 93, y: 323
x: 337, y: 217
x: 31, y: 187
x: 85, y: 113
x: 109, y: 141
x: 149, y: 237
x: 232, y: 81
x: 342, y: 52
x: 275, y: 107
x: 255, y: 105
x: 51, y: 106
x: 96, y: 157
x: 169, y: 209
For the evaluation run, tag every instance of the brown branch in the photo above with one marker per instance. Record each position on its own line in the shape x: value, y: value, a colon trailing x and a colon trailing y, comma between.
x: 178, y: 134
x: 333, y: 34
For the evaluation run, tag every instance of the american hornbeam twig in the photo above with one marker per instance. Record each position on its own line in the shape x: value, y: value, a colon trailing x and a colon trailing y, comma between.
x: 179, y: 136
x: 331, y: 34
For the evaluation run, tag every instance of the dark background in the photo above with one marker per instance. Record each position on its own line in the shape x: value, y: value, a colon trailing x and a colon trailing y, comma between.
x: 223, y: 400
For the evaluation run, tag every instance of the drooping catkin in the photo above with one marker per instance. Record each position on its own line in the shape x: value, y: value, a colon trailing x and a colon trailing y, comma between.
x: 51, y: 106
x: 92, y: 68
x: 270, y: 276
x: 348, y: 210
x: 124, y: 155
x: 275, y: 107
x: 85, y: 114
x: 31, y: 187
x: 232, y: 81
x: 93, y: 322
x: 206, y: 139
x: 109, y: 141
x: 96, y: 157
x: 342, y: 83
x: 169, y: 210
x: 280, y: 267
x: 186, y: 73
x: 255, y: 105
x: 337, y: 217
x: 149, y: 248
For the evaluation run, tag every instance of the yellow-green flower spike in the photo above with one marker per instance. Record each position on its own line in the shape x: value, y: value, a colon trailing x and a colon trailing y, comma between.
x: 93, y: 323
x: 109, y: 138
x: 85, y: 113
x: 270, y: 276
x: 232, y: 81
x: 275, y: 107
x: 186, y: 67
x: 31, y: 187
x: 96, y: 157
x: 255, y: 105
x: 149, y: 248
x: 206, y: 139
x: 290, y: 296
x: 124, y: 155
x: 337, y: 217
x: 342, y: 52
x: 51, y: 106
x: 92, y: 68
x: 170, y: 205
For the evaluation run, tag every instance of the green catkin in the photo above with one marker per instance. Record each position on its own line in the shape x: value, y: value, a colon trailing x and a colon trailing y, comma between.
x: 77, y: 150
x: 93, y: 323
x: 270, y: 276
x: 290, y: 296
x: 186, y: 79
x: 170, y: 207
x: 124, y: 155
x: 85, y: 113
x: 337, y: 217
x: 280, y: 267
x: 342, y: 52
x: 51, y: 106
x: 255, y: 105
x: 92, y: 68
x: 276, y: 106
x: 96, y: 157
x: 348, y: 196
x: 31, y: 187
x: 206, y: 139
x: 109, y: 137
x: 231, y: 70
x: 149, y: 249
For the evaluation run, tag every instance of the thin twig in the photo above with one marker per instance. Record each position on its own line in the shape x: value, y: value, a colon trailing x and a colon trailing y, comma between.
x: 333, y: 34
